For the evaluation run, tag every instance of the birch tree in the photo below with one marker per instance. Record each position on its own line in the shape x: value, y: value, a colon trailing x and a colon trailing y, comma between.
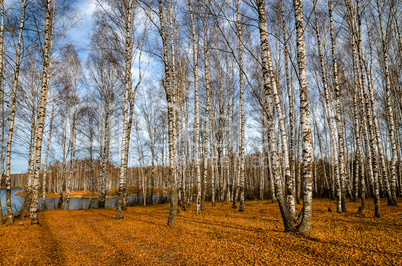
x: 305, y: 223
x: 196, y: 108
x: 47, y: 153
x: 41, y: 114
x: 389, y: 109
x: 208, y: 103
x: 10, y: 217
x: 172, y: 137
x: 341, y: 180
x: 241, y: 107
x: 2, y: 14
x: 268, y: 102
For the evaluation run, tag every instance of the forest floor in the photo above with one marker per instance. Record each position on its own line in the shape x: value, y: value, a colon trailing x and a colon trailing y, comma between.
x: 220, y: 235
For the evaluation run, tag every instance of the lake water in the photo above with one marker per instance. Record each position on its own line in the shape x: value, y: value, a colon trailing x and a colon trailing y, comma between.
x: 76, y: 203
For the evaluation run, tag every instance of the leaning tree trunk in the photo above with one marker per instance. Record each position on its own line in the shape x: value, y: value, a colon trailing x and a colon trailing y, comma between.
x: 10, y: 216
x: 282, y: 127
x: 283, y: 137
x: 285, y: 211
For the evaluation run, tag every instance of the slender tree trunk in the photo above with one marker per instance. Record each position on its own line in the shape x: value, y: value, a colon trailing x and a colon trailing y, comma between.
x: 305, y: 224
x: 126, y: 133
x: 341, y: 183
x: 207, y: 108
x: 389, y: 109
x: 65, y: 155
x: 285, y: 211
x: 214, y: 157
x: 41, y: 115
x: 182, y: 153
x: 2, y: 101
x: 289, y: 86
x: 241, y: 108
x: 283, y: 137
x: 189, y: 165
x: 141, y: 161
x: 263, y: 154
x: 10, y: 216
x: 169, y: 96
x: 196, y: 110
x: 46, y: 155
x: 31, y: 157
x: 104, y: 158
x: 228, y: 134
x: 63, y: 174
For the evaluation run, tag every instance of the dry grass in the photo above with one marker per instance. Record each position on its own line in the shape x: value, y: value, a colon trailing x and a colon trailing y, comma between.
x: 220, y: 236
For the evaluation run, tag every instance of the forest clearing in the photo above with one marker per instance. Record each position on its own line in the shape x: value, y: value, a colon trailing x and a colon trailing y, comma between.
x: 253, y: 132
x: 220, y: 236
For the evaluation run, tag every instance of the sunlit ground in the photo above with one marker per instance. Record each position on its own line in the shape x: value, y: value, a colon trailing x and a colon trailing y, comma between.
x: 220, y: 235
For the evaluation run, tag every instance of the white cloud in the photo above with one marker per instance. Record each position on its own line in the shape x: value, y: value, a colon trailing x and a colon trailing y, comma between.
x: 79, y: 35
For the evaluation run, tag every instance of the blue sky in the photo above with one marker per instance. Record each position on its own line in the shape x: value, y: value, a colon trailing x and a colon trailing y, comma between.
x: 79, y: 36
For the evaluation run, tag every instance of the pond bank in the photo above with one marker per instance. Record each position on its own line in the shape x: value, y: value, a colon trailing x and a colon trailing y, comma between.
x: 77, y: 203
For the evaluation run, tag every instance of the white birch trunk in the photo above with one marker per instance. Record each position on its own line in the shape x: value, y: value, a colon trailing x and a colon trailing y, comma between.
x: 46, y: 155
x: 41, y: 115
x: 207, y: 110
x: 241, y: 108
x: 305, y: 224
x: 341, y: 181
x: 169, y: 97
x: 285, y: 211
x: 125, y: 143
x: 2, y: 98
x: 10, y: 216
x: 389, y: 109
